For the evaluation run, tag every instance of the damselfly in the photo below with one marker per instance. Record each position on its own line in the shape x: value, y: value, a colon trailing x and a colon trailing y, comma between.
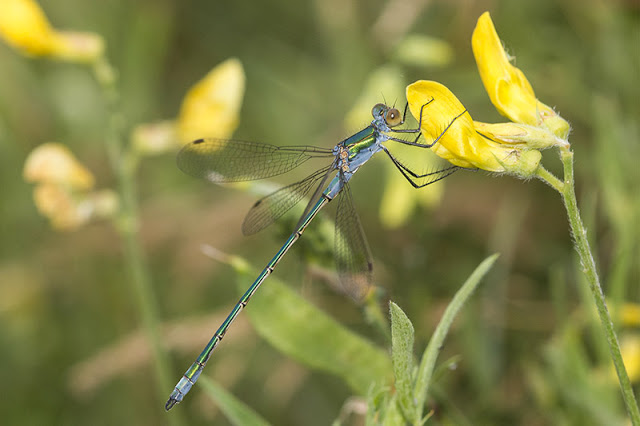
x: 223, y: 161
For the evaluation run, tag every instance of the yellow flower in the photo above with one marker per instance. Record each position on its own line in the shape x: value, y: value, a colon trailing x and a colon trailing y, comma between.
x: 630, y: 349
x: 461, y: 144
x: 629, y: 315
x: 63, y: 191
x: 24, y: 26
x: 68, y: 210
x: 502, y: 147
x: 54, y: 163
x: 507, y: 86
x: 211, y: 108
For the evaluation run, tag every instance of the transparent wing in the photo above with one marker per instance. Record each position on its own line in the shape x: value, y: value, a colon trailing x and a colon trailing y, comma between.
x: 352, y: 254
x: 316, y: 195
x: 268, y: 209
x: 222, y: 160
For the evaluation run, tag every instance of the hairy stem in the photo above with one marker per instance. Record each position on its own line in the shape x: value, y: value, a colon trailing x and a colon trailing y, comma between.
x: 589, y: 269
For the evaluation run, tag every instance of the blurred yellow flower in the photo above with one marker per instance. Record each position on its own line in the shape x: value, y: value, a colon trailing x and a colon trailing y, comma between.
x: 399, y: 199
x: 211, y: 108
x: 55, y: 163
x: 629, y: 315
x: 630, y: 348
x: 507, y: 86
x: 24, y: 26
x: 68, y: 210
x: 461, y: 144
x: 63, y: 191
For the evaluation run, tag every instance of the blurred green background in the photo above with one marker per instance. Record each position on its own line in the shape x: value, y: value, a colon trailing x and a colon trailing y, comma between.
x: 529, y: 350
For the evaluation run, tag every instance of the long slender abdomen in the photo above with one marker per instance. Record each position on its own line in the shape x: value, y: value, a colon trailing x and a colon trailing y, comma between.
x: 193, y: 373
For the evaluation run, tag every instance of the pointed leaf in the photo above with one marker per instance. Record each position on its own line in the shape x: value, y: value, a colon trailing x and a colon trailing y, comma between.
x: 430, y: 355
x: 402, y: 357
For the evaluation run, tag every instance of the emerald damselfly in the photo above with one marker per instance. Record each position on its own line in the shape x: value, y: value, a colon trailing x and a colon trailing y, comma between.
x: 222, y: 161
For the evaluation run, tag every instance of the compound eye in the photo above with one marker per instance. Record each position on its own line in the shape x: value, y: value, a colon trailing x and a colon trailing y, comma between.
x: 393, y: 117
x: 378, y: 110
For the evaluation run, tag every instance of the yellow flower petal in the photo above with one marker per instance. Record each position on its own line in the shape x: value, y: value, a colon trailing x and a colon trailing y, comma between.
x: 211, y: 107
x: 507, y: 86
x: 54, y: 163
x: 24, y: 26
x: 461, y: 144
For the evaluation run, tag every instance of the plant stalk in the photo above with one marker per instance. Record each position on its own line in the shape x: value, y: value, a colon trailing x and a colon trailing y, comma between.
x: 124, y: 165
x: 589, y: 269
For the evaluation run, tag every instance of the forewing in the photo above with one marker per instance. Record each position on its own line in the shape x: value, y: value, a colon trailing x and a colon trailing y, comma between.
x: 222, y: 160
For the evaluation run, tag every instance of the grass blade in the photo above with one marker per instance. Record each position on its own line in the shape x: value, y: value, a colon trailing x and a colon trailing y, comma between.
x: 430, y: 355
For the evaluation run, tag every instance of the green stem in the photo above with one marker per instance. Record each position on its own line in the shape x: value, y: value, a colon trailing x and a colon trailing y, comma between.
x: 589, y: 269
x: 124, y: 164
x: 547, y: 177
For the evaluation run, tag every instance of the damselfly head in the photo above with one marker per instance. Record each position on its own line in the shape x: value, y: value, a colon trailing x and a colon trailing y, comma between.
x: 392, y: 116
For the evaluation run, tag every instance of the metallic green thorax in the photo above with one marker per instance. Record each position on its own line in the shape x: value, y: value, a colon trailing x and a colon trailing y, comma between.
x: 361, y: 140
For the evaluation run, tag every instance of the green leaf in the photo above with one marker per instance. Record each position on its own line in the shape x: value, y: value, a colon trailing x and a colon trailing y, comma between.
x: 430, y: 355
x: 402, y: 357
x: 302, y: 331
x: 236, y: 411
